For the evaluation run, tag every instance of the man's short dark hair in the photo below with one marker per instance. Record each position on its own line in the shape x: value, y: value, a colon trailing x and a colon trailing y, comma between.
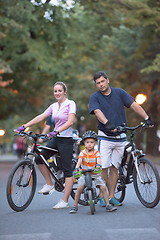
x: 99, y: 74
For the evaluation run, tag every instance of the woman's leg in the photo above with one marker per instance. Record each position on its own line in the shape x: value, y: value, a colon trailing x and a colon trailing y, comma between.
x: 67, y: 188
x: 46, y: 174
x: 42, y: 167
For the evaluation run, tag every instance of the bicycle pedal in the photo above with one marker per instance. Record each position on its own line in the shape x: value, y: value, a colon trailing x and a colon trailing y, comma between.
x: 46, y: 193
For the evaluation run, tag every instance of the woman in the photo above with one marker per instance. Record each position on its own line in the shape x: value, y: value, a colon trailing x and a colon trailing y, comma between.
x: 63, y: 114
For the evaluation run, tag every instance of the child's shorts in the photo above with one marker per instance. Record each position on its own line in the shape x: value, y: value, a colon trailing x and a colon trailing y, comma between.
x: 98, y: 180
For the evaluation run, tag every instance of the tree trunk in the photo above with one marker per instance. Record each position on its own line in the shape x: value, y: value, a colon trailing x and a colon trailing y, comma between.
x: 152, y: 144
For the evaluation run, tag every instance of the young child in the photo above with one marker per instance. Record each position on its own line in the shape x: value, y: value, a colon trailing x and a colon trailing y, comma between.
x: 89, y: 158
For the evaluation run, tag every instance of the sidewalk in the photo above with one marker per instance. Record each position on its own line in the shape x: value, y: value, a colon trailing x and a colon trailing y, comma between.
x: 8, y: 157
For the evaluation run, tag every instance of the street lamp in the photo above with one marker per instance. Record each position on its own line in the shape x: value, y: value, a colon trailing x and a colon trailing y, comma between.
x: 141, y: 98
x: 2, y: 132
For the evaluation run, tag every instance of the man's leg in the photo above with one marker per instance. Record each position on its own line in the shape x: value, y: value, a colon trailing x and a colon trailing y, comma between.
x: 112, y: 180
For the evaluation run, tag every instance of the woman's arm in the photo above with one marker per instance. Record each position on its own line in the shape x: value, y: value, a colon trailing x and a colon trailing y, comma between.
x: 69, y: 123
x: 36, y: 120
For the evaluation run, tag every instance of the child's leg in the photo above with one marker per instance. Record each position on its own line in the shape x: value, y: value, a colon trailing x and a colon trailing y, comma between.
x: 104, y: 194
x: 78, y: 194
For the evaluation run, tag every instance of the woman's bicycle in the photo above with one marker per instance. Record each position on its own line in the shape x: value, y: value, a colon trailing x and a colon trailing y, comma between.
x: 136, y: 168
x: 22, y: 181
x: 90, y: 192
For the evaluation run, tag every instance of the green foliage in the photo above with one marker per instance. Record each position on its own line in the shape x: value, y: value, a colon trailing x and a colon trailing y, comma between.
x: 42, y: 43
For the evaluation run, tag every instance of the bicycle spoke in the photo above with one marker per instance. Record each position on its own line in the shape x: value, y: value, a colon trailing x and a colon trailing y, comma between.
x: 148, y: 188
x: 147, y: 185
x: 21, y: 186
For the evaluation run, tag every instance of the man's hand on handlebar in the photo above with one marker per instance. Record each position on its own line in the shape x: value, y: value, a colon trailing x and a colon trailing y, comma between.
x: 148, y: 122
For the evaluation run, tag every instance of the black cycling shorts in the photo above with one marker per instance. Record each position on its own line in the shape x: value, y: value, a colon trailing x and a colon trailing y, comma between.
x: 64, y: 145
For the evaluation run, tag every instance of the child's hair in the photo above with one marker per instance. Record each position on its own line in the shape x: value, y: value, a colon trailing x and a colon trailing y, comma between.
x: 89, y: 134
x: 62, y: 84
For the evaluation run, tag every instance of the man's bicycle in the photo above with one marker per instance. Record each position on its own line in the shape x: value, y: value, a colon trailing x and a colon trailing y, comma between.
x: 136, y: 168
x: 22, y: 181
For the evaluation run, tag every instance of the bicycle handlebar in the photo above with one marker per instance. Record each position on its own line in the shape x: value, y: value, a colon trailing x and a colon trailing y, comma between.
x: 125, y: 128
x: 34, y: 136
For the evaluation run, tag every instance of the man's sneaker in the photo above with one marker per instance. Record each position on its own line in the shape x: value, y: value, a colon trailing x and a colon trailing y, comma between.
x: 61, y: 204
x: 110, y: 208
x: 74, y: 209
x: 102, y: 202
x: 47, y: 189
x: 114, y: 202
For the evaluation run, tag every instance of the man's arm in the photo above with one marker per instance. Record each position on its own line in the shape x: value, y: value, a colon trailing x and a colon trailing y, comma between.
x: 100, y: 116
x: 110, y: 127
x: 139, y: 110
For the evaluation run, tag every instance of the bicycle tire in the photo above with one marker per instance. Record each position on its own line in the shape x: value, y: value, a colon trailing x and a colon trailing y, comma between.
x: 21, y: 185
x: 91, y: 201
x: 148, y: 192
x: 120, y: 190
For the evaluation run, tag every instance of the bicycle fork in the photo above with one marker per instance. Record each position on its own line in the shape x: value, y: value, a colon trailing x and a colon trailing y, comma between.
x: 136, y: 159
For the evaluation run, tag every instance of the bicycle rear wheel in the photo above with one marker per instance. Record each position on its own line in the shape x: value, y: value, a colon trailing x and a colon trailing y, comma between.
x: 21, y: 185
x: 148, y: 191
x: 120, y: 190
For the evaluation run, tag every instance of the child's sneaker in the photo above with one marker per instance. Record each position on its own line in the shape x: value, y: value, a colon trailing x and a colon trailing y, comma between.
x: 114, y: 202
x: 102, y: 202
x: 110, y: 208
x: 47, y: 189
x: 74, y: 209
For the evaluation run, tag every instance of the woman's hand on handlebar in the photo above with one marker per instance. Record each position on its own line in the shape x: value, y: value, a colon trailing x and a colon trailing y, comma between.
x: 20, y: 129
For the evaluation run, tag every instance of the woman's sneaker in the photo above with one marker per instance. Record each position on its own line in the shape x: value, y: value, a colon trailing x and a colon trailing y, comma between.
x: 115, y: 202
x: 110, y: 208
x: 61, y: 204
x: 47, y: 189
x: 74, y: 209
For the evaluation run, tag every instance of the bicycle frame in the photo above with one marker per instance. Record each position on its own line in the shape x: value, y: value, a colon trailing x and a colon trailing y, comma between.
x: 36, y: 148
x: 89, y: 185
x: 135, y: 154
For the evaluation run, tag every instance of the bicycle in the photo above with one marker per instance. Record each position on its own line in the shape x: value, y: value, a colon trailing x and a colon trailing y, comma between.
x: 22, y: 181
x: 136, y: 168
x: 90, y: 194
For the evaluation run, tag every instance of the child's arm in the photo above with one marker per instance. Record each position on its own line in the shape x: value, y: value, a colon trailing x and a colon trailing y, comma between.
x: 98, y: 160
x: 79, y: 163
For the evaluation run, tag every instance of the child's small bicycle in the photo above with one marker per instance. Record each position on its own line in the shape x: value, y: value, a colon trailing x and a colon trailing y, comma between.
x: 90, y: 191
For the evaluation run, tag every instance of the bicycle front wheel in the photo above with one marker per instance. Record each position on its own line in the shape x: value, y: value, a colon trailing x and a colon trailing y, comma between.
x: 21, y: 185
x: 91, y: 201
x: 147, y: 185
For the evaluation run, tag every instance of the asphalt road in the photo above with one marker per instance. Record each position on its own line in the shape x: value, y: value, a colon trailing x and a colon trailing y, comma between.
x: 39, y: 221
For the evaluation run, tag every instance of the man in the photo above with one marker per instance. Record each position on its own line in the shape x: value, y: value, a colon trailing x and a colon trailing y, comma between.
x: 108, y: 105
